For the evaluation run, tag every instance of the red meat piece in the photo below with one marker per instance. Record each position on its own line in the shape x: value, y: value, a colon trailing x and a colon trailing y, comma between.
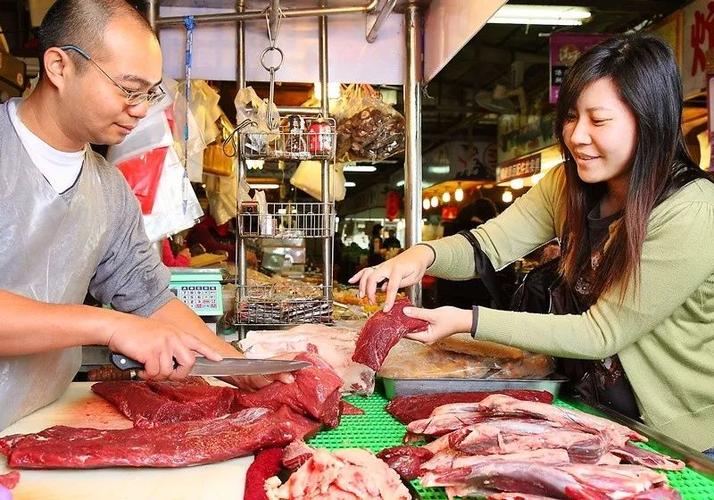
x: 406, y: 409
x: 267, y: 463
x: 172, y: 445
x: 406, y: 460
x: 382, y: 331
x: 296, y: 454
x: 149, y: 404
x: 350, y: 409
x: 10, y: 479
x: 315, y: 392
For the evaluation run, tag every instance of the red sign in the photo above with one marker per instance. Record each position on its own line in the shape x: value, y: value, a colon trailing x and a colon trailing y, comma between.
x: 565, y: 48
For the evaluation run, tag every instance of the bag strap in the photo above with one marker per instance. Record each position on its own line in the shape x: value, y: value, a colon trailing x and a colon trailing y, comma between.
x: 484, y: 269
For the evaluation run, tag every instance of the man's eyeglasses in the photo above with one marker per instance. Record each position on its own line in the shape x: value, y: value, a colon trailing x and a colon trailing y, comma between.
x: 133, y: 98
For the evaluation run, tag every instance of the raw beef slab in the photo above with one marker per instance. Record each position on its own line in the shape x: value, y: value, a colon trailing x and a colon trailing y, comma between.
x: 315, y: 392
x: 409, y: 408
x: 382, y: 331
x: 149, y: 404
x: 173, y: 445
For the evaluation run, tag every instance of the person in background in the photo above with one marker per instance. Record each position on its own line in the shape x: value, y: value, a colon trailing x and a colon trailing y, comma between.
x: 181, y: 259
x: 205, y: 234
x: 392, y: 241
x: 376, y: 248
x: 631, y: 209
x: 468, y: 293
x: 71, y: 225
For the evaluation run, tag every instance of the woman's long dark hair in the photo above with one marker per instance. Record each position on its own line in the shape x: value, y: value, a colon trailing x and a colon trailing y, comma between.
x: 644, y: 71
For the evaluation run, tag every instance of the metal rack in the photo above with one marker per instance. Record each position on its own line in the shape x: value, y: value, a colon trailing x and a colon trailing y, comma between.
x: 287, y: 220
x: 380, y: 10
x: 300, y: 144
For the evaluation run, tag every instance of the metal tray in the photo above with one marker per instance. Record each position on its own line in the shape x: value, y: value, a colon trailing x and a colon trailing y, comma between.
x: 406, y: 387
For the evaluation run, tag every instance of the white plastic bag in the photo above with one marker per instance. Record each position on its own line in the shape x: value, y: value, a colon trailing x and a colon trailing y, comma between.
x: 168, y: 215
x: 308, y: 178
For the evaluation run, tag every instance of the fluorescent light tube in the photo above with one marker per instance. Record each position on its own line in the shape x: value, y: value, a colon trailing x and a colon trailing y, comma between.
x: 360, y: 168
x: 540, y: 15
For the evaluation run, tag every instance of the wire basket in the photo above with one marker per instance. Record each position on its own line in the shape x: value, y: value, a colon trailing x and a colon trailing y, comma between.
x: 299, y: 138
x: 287, y: 220
x: 282, y: 304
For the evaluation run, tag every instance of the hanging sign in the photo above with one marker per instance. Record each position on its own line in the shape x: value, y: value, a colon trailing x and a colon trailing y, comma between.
x: 565, y: 48
x: 522, y: 167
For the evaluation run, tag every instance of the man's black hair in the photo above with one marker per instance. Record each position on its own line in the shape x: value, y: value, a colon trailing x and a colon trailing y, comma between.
x: 82, y: 23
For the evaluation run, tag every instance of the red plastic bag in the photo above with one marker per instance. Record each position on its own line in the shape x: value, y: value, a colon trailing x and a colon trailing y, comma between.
x: 143, y: 173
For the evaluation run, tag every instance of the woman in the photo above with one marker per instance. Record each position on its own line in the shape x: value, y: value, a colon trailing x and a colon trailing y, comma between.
x: 635, y: 216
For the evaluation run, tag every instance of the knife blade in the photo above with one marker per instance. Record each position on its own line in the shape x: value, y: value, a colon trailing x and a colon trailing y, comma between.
x: 225, y: 367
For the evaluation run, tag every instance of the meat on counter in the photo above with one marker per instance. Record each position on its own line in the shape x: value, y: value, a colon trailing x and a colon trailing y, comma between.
x: 177, y: 444
x: 346, y: 473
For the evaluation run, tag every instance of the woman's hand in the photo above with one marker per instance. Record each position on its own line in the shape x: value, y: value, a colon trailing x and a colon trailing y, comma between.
x: 405, y: 269
x: 443, y: 321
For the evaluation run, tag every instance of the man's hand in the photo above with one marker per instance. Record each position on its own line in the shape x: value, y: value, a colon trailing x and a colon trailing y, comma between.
x: 159, y: 346
x: 443, y: 321
x: 405, y: 269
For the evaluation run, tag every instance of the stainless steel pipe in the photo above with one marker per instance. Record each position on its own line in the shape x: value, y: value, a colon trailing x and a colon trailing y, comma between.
x: 412, y: 115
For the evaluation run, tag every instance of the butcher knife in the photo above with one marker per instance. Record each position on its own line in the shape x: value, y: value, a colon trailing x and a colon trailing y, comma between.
x: 225, y: 367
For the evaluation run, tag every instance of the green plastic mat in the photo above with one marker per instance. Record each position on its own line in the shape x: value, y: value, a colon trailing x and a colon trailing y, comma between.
x: 376, y: 430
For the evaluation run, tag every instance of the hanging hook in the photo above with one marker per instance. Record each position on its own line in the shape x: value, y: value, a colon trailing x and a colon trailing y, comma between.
x: 232, y: 138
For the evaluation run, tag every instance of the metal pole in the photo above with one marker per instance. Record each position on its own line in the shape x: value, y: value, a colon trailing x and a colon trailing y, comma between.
x: 259, y: 14
x: 152, y: 7
x: 382, y: 16
x: 412, y: 115
x: 241, y: 263
x: 326, y: 206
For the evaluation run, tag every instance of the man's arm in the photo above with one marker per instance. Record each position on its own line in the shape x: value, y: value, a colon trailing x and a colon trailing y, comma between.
x: 176, y: 313
x: 29, y: 326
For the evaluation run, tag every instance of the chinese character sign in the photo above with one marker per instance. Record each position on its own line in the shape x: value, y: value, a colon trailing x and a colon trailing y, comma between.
x: 697, y: 47
x: 565, y: 48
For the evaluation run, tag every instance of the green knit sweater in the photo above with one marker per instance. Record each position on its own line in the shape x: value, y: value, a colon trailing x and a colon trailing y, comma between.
x: 664, y: 335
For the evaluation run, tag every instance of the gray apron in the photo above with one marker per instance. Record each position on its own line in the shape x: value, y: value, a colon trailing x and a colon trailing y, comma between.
x: 50, y: 247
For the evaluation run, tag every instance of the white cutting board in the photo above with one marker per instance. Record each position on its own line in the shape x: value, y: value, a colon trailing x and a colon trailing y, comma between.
x: 79, y: 407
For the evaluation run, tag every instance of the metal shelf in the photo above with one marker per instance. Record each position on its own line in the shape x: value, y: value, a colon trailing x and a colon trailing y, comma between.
x: 287, y: 220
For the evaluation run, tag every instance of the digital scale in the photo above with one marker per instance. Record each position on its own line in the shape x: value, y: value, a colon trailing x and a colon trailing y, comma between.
x: 199, y: 289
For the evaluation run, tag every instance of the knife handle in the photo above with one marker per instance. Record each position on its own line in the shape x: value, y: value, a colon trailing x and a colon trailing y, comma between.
x: 124, y: 363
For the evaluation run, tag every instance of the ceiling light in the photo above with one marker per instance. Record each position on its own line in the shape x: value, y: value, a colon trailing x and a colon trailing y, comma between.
x: 459, y: 194
x: 360, y: 168
x: 439, y: 169
x: 507, y: 197
x: 264, y: 186
x: 549, y: 15
x: 350, y: 184
x: 446, y: 197
x: 400, y: 184
x: 434, y: 201
x: 426, y: 204
x: 517, y: 184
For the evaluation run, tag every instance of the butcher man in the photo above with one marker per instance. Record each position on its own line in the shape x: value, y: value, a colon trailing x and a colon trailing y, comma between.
x: 69, y: 223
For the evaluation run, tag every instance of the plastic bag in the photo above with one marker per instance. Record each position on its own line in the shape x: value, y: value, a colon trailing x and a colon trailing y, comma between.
x: 168, y: 216
x: 143, y: 174
x: 152, y: 132
x: 308, y: 178
x: 215, y: 159
x: 410, y: 359
x: 264, y: 117
x: 367, y: 127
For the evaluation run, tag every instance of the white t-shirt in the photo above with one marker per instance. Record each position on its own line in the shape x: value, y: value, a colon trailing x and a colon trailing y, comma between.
x: 60, y: 168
